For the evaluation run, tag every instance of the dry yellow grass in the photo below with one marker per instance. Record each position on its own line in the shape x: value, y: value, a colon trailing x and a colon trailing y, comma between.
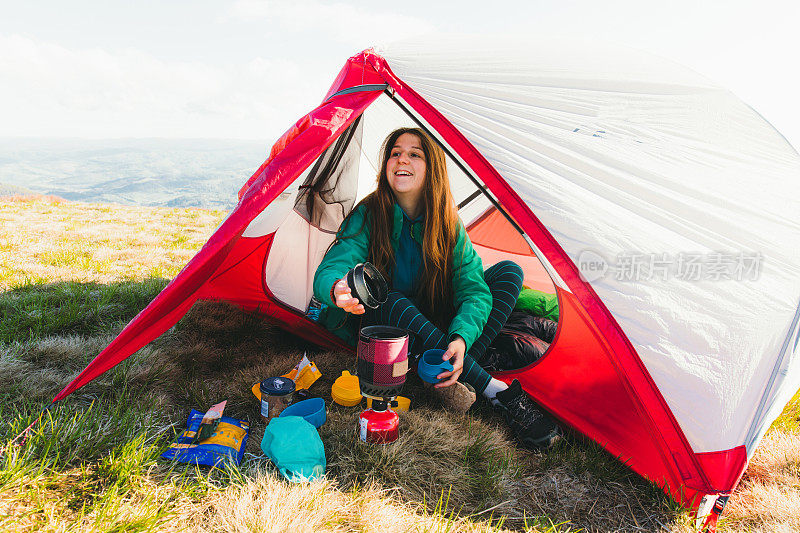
x: 50, y: 240
x: 261, y: 503
x: 266, y: 504
x: 768, y: 497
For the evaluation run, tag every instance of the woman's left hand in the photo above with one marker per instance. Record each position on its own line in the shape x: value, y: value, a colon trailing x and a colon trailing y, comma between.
x: 455, y: 354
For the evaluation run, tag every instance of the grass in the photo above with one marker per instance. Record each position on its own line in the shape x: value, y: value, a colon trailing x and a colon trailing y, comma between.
x: 38, y: 310
x: 46, y: 240
x: 92, y: 462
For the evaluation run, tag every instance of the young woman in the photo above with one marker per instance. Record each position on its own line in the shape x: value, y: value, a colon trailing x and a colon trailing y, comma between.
x: 410, y: 230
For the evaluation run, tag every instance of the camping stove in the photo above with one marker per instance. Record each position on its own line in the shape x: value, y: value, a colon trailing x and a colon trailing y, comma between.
x: 382, y: 366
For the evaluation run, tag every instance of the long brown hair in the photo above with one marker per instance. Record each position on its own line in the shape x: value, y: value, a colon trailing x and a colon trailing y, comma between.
x: 434, y: 294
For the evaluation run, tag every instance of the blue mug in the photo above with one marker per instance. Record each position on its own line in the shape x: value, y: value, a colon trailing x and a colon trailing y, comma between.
x: 431, y: 365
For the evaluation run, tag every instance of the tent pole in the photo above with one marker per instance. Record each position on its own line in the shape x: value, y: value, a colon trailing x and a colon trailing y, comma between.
x: 464, y: 169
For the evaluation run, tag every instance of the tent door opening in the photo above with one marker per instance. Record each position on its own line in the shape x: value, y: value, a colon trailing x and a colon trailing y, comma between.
x: 346, y: 172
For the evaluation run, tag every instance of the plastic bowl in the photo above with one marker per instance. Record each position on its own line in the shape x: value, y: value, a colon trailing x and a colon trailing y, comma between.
x: 403, y: 403
x: 431, y: 365
x: 313, y: 410
x: 345, y: 390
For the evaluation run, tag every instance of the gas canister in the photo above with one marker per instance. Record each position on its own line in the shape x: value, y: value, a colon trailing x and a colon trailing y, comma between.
x: 379, y: 424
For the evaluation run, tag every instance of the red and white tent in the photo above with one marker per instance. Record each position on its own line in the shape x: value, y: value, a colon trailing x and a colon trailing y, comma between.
x: 677, y: 344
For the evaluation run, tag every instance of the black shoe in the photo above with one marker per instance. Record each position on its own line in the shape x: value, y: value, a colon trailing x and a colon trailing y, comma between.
x: 530, y: 425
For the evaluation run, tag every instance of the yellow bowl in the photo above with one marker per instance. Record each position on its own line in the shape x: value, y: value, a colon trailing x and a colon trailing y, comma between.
x: 345, y: 390
x: 403, y: 403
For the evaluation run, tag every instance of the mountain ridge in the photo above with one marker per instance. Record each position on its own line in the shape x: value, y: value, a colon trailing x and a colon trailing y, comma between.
x: 201, y: 173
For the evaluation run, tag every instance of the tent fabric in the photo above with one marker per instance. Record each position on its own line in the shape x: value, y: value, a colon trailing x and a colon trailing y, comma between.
x: 594, y: 157
x: 621, y: 156
x: 496, y: 239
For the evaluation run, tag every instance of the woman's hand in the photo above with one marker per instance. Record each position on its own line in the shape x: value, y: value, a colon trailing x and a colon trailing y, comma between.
x: 455, y: 353
x: 341, y: 291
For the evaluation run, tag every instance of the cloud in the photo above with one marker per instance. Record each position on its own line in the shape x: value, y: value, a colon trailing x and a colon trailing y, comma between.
x: 342, y: 22
x: 49, y: 90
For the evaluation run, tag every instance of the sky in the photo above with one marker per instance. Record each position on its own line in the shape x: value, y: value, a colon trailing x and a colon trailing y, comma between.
x: 248, y: 69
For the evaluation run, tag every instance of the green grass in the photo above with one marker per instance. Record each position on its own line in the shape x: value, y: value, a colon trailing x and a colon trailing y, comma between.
x: 84, y: 466
x: 33, y: 311
x: 15, y: 277
x: 486, y: 465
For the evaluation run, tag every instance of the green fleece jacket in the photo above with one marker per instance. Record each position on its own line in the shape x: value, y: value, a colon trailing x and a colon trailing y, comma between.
x: 472, y: 299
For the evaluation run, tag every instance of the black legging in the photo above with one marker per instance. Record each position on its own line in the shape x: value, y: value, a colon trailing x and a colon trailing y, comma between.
x: 505, y: 283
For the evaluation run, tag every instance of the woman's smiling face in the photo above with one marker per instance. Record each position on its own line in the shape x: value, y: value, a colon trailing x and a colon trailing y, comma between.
x: 405, y: 166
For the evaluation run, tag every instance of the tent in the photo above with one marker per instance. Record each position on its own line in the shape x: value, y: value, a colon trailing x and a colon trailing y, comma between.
x: 659, y: 208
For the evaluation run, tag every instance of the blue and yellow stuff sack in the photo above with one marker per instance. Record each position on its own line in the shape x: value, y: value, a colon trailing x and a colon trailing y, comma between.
x: 225, y: 445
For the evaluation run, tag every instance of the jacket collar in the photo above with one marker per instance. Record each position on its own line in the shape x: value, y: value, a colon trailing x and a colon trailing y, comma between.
x: 417, y: 225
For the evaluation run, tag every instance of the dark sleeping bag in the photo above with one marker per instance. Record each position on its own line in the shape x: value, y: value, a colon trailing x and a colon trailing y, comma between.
x: 522, y: 341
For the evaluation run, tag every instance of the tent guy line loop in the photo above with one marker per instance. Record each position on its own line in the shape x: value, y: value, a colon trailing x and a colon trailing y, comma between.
x: 25, y: 432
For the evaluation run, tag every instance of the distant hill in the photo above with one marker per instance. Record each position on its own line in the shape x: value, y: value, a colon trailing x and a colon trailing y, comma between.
x: 204, y: 173
x: 15, y: 193
x: 14, y: 190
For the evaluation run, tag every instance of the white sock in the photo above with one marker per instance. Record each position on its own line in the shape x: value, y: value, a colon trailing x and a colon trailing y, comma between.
x: 494, y: 386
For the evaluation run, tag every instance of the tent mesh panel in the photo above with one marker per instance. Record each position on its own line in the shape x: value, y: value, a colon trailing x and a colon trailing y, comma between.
x: 328, y: 193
